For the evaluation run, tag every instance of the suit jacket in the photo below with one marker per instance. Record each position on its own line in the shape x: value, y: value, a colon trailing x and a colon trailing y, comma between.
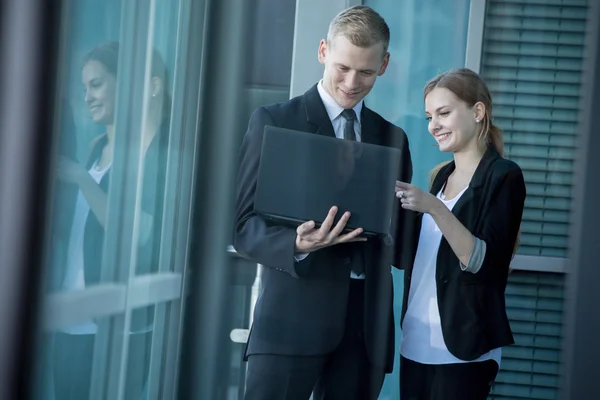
x: 302, y: 308
x: 472, y: 307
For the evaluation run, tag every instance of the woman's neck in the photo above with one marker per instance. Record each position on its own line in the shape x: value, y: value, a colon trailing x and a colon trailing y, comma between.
x: 466, y: 162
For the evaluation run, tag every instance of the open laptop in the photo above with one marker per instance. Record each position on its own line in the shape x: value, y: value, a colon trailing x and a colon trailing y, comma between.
x: 302, y: 175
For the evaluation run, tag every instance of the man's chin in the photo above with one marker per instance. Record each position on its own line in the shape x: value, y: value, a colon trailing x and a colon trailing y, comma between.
x: 347, y: 103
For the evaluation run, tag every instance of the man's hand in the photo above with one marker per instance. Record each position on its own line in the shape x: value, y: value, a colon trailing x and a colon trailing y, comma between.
x: 310, y: 239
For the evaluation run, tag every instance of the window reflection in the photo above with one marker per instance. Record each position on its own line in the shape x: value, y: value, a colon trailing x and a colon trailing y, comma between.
x: 89, y: 183
x: 117, y: 237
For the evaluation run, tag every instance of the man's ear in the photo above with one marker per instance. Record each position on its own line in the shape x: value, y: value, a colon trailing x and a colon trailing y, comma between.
x: 322, y: 53
x: 384, y: 64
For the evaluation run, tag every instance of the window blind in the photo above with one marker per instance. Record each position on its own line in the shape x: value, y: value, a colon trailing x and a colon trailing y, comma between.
x: 530, y: 368
x: 532, y: 60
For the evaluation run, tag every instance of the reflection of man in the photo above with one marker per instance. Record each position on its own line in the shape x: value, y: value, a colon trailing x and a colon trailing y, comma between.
x: 324, y: 320
x: 343, y: 163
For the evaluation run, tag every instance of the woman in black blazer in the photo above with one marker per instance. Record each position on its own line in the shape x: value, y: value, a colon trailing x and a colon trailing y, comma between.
x: 454, y: 318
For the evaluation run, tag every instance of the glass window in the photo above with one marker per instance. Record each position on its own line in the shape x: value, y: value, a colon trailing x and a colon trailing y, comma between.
x: 118, y: 235
x: 427, y: 38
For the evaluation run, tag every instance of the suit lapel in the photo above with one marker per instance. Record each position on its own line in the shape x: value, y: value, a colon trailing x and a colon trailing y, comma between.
x: 370, y: 131
x: 316, y: 114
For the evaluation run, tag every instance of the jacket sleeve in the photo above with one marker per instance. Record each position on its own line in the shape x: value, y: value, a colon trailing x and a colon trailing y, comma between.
x: 254, y: 238
x: 406, y: 220
x: 500, y: 224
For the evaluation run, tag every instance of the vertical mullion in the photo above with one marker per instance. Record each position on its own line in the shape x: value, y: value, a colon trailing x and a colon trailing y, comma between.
x: 582, y: 321
x: 187, y: 82
x: 145, y: 42
x: 222, y: 83
x: 475, y: 35
x: 119, y: 245
x: 172, y: 214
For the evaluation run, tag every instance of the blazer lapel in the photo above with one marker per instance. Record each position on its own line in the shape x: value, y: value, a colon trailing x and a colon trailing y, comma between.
x: 316, y: 114
x: 466, y: 199
x: 370, y: 131
x: 442, y: 177
x: 475, y: 185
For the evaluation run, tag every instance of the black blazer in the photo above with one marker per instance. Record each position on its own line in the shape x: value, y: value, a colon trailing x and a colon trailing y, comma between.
x: 472, y: 306
x: 151, y: 203
x: 153, y: 193
x: 302, y: 308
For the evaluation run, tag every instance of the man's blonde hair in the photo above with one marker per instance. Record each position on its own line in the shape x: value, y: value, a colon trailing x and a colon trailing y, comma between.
x: 362, y: 26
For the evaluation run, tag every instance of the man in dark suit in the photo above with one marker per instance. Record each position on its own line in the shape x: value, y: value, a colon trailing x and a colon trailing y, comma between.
x: 324, y: 321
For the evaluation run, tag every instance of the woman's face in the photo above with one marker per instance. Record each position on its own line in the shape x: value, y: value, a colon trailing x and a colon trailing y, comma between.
x: 100, y: 90
x: 451, y: 121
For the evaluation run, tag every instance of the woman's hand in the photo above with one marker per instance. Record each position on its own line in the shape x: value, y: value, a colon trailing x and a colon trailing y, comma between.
x: 415, y: 199
x: 70, y: 171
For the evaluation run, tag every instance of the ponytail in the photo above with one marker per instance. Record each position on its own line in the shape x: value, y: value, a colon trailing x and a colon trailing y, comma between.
x: 491, y: 134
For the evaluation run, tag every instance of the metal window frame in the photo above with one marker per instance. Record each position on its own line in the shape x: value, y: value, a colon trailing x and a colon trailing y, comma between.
x: 579, y: 367
x: 188, y: 81
x: 111, y: 344
x: 538, y: 263
x: 475, y: 32
x: 222, y: 88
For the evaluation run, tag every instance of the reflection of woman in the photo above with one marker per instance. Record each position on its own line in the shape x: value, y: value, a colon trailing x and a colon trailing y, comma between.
x: 454, y: 318
x: 74, y: 344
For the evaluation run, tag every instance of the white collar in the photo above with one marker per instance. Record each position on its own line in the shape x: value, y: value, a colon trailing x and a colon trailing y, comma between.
x: 333, y: 108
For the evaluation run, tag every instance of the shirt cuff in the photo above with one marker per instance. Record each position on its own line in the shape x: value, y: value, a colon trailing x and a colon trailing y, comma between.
x: 476, y: 258
x: 300, y: 256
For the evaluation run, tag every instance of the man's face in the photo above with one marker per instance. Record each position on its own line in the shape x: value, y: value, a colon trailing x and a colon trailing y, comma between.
x: 350, y: 71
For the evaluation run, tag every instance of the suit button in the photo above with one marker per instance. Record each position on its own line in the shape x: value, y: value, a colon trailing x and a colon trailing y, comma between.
x: 346, y: 260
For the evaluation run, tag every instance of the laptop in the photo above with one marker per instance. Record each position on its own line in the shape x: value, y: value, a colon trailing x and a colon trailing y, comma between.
x: 302, y: 175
